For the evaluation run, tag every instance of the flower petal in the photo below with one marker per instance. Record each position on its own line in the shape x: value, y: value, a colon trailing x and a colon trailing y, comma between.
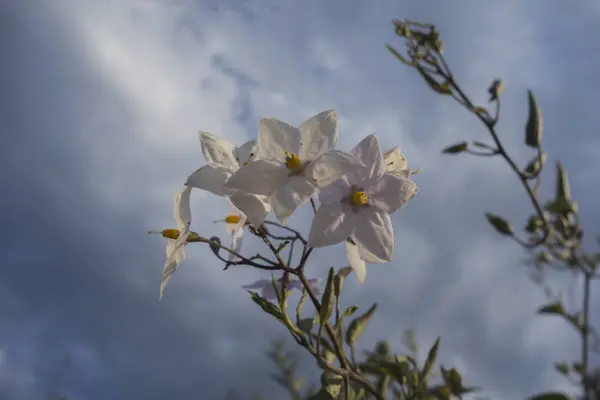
x: 391, y: 192
x: 175, y: 255
x: 246, y: 152
x: 369, y: 258
x: 334, y: 192
x: 319, y: 134
x: 268, y: 292
x: 357, y: 264
x: 368, y: 153
x: 394, y: 160
x: 259, y: 177
x: 237, y: 239
x: 182, y: 211
x: 275, y: 137
x: 331, y: 166
x: 373, y: 231
x: 210, y: 178
x: 218, y: 151
x: 254, y: 206
x: 297, y: 191
x: 332, y: 224
x: 257, y: 284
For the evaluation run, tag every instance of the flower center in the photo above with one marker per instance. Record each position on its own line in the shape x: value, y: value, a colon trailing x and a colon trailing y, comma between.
x: 232, y: 219
x: 292, y: 161
x: 170, y: 233
x: 359, y: 198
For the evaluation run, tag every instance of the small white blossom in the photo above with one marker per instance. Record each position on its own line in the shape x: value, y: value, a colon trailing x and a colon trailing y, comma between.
x: 234, y: 224
x: 293, y: 162
x: 224, y: 159
x: 359, y: 204
x: 267, y: 291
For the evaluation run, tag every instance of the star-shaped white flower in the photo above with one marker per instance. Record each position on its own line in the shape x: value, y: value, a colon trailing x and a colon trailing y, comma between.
x: 293, y: 162
x: 234, y: 224
x: 224, y: 159
x: 267, y: 291
x: 176, y: 238
x: 359, y: 204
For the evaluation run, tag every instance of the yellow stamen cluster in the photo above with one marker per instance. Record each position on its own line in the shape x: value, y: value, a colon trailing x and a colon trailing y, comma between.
x: 170, y: 233
x: 232, y: 219
x: 292, y: 161
x: 359, y: 198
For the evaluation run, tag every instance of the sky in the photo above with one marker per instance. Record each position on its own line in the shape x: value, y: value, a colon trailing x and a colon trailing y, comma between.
x: 101, y: 102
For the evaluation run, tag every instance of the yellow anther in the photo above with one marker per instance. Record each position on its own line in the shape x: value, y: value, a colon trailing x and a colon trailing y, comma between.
x: 359, y: 198
x: 232, y: 219
x: 170, y: 233
x: 245, y: 163
x: 292, y: 161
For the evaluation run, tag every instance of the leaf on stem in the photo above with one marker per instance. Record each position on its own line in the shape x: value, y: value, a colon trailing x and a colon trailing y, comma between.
x: 555, y: 308
x: 456, y: 148
x: 534, y: 126
x: 500, y: 224
x: 358, y: 325
x: 327, y: 299
x: 441, y: 88
x: 496, y: 89
x: 267, y: 306
x: 431, y: 357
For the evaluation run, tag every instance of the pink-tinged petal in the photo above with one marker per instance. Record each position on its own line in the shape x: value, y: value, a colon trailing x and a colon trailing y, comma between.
x: 357, y: 263
x: 255, y: 207
x: 210, y: 178
x: 314, y: 285
x: 368, y: 153
x: 218, y: 151
x: 258, y: 284
x: 332, y: 224
x: 259, y: 177
x: 335, y: 192
x: 297, y: 191
x: 268, y: 292
x: 331, y: 166
x: 275, y: 137
x: 318, y: 134
x: 373, y: 231
x: 391, y: 192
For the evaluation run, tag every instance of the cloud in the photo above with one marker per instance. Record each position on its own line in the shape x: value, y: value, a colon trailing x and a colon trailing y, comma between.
x: 103, y: 104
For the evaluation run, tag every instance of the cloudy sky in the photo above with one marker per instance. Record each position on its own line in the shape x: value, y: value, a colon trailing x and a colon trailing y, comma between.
x: 101, y: 102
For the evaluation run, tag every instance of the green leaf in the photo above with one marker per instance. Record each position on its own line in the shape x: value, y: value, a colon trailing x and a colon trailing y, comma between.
x: 397, y: 370
x: 300, y: 305
x: 496, y: 89
x: 267, y: 306
x: 563, y: 190
x: 555, y: 308
x: 431, y: 357
x: 398, y: 55
x: 456, y: 148
x: 441, y: 88
x: 534, y: 126
x: 348, y: 312
x: 358, y: 325
x: 550, y: 396
x: 331, y: 383
x: 499, y: 224
x: 562, y: 367
x: 306, y: 325
x: 322, y: 395
x: 327, y: 299
x: 536, y: 164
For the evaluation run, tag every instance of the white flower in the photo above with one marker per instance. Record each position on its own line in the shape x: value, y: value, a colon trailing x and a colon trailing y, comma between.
x: 358, y: 257
x: 234, y: 224
x: 359, y: 205
x: 293, y: 162
x: 396, y: 163
x: 267, y: 291
x: 224, y: 159
x: 176, y: 238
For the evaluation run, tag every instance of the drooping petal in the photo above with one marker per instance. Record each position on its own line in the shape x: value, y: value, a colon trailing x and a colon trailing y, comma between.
x: 246, y: 152
x: 257, y: 285
x: 218, y: 151
x: 259, y: 177
x: 391, y: 192
x: 268, y: 292
x: 368, y: 153
x: 318, y: 134
x: 369, y: 258
x: 334, y: 192
x: 332, y: 224
x: 210, y: 178
x: 255, y: 207
x: 183, y: 213
x: 297, y: 191
x: 275, y: 137
x: 237, y: 239
x: 331, y: 166
x: 175, y: 255
x: 373, y: 231
x: 394, y: 160
x: 357, y: 264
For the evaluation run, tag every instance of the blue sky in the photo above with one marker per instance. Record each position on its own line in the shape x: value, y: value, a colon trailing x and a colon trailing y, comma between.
x: 101, y: 105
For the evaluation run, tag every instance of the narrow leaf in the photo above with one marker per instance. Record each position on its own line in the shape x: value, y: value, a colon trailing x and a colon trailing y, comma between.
x: 431, y: 357
x: 499, y: 224
x: 456, y: 148
x: 327, y: 299
x: 534, y: 126
x: 358, y: 325
x: 552, y: 308
x: 442, y: 88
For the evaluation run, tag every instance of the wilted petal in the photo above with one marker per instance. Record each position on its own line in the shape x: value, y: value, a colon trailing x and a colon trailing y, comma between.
x: 332, y: 224
x: 319, y: 134
x: 357, y: 264
x: 210, y: 178
x: 298, y: 190
x: 391, y: 192
x: 373, y: 231
x: 218, y: 151
x: 259, y: 177
x: 255, y: 207
x: 394, y: 160
x: 331, y: 166
x: 334, y: 192
x: 368, y: 153
x: 275, y: 137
